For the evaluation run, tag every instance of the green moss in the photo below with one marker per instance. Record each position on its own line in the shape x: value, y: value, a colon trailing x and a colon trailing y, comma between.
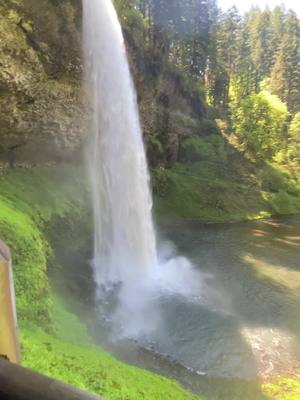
x: 29, y: 250
x: 66, y: 326
x: 69, y: 356
x: 214, y: 192
x: 29, y: 200
x: 282, y: 389
x: 94, y: 370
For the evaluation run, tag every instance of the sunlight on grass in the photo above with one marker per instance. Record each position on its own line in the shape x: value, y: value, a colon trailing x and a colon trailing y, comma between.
x: 282, y: 389
x: 93, y: 370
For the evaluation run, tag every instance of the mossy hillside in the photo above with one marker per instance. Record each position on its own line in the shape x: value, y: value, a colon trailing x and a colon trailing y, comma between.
x: 95, y: 371
x: 197, y: 192
x: 29, y: 202
x: 214, y: 183
x: 66, y: 326
x: 69, y: 355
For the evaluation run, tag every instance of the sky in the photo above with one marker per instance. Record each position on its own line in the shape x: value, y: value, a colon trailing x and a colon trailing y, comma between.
x: 244, y: 5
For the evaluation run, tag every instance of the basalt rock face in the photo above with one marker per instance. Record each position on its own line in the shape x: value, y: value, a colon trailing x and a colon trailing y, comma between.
x: 41, y: 112
x: 42, y: 115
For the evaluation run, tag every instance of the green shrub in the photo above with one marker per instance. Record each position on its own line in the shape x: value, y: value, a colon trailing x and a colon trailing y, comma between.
x: 184, y: 123
x: 293, y: 148
x: 160, y: 181
x: 197, y: 149
x: 282, y: 388
x: 271, y: 179
x: 209, y: 148
x: 294, y: 128
x: 208, y: 127
x: 259, y: 122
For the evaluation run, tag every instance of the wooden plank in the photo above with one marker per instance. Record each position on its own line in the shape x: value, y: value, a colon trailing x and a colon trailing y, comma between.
x: 9, y: 340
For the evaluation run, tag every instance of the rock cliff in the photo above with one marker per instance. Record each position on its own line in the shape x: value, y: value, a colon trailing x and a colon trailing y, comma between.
x: 42, y: 116
x: 40, y: 80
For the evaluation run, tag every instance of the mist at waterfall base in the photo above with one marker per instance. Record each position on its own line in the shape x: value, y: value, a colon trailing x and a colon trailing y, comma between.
x: 130, y: 273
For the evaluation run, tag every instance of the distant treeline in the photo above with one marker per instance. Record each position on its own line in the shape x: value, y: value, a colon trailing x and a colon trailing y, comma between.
x: 247, y: 67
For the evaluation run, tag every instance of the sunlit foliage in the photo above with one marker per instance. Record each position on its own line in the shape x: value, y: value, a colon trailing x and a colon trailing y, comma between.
x: 259, y: 124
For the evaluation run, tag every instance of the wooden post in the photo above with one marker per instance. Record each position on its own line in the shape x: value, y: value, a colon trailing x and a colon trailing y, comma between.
x: 17, y: 383
x: 9, y: 339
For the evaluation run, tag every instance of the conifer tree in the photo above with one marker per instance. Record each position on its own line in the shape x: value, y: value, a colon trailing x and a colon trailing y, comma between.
x: 285, y: 75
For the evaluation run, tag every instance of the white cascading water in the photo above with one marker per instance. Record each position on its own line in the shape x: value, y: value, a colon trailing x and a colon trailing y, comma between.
x: 125, y: 252
x: 125, y: 243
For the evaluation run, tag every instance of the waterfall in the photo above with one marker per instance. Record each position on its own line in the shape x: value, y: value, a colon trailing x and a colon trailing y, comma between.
x: 124, y: 239
x: 125, y: 261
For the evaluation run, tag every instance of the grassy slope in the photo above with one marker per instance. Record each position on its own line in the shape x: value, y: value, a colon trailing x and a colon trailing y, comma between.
x: 69, y: 356
x: 29, y: 201
x: 91, y: 369
x: 222, y: 186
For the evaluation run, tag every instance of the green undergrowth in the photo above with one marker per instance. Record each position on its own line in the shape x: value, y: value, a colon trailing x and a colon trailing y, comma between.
x: 30, y: 199
x: 282, y: 389
x: 66, y: 326
x: 214, y: 193
x: 93, y: 370
x: 68, y: 355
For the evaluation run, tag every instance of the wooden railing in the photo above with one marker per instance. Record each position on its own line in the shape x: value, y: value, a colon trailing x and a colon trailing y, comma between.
x: 16, y: 382
x: 9, y: 341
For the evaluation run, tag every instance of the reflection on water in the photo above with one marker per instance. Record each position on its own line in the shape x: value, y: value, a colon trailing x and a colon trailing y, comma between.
x: 273, y: 350
x: 280, y: 275
x: 247, y: 324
